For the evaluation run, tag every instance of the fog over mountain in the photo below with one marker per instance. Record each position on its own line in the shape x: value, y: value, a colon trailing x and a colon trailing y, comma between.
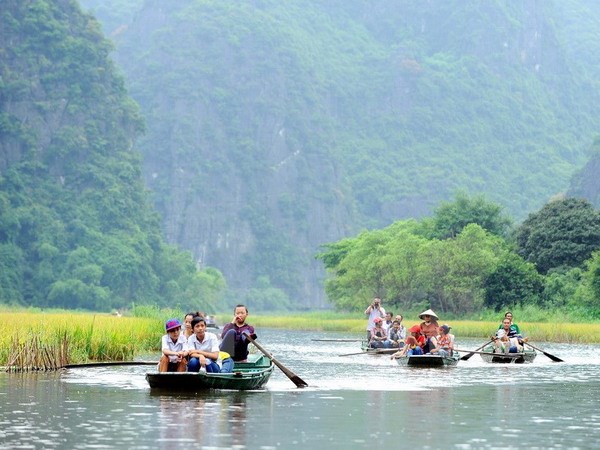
x: 274, y: 127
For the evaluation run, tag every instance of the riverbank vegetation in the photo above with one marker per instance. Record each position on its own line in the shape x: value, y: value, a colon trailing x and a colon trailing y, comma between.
x: 84, y: 337
x: 467, y: 258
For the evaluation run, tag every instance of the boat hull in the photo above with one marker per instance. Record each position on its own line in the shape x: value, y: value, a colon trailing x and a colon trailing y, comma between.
x: 511, y: 358
x: 250, y: 375
x: 429, y: 360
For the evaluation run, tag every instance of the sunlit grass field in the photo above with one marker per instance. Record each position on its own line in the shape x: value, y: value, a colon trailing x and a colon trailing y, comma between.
x: 103, y: 337
x: 90, y: 337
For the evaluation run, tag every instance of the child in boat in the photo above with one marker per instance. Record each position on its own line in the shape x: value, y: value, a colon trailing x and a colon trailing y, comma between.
x: 204, y: 352
x: 445, y: 342
x: 413, y: 343
x: 234, y: 340
x: 174, y: 348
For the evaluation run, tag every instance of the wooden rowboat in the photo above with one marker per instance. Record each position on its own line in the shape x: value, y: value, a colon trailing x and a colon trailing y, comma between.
x: 253, y: 374
x: 488, y: 355
x: 429, y: 360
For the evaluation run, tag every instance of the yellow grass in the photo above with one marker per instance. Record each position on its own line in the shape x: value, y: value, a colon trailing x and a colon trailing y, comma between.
x: 91, y: 337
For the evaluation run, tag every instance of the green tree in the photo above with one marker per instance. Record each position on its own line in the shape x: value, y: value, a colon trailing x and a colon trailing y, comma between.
x: 513, y: 282
x: 451, y: 217
x: 76, y: 228
x: 587, y: 296
x: 458, y: 268
x: 561, y: 235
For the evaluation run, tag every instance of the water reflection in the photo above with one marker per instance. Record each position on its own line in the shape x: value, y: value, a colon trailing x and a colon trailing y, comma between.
x: 352, y: 402
x: 210, y: 418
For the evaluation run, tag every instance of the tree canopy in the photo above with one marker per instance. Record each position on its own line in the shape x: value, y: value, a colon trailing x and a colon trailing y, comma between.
x: 76, y: 226
x: 561, y: 235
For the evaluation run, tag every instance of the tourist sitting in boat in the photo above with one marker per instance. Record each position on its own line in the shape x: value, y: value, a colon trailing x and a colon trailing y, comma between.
x: 387, y: 322
x: 403, y: 331
x: 234, y: 334
x: 413, y: 345
x: 444, y: 342
x: 378, y: 334
x: 429, y: 328
x: 514, y: 326
x: 174, y: 348
x: 204, y: 352
x: 507, y: 340
x: 396, y: 336
x: 187, y: 324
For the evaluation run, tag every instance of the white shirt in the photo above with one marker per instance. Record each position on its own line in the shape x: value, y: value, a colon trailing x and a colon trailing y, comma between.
x: 178, y: 346
x: 373, y: 314
x: 386, y: 326
x: 209, y: 344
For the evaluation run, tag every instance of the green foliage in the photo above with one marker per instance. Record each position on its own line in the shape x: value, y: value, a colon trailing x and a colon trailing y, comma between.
x: 450, y: 218
x: 560, y: 289
x: 330, y: 116
x: 587, y: 297
x: 513, y: 282
x: 76, y: 229
x: 407, y: 269
x: 561, y: 235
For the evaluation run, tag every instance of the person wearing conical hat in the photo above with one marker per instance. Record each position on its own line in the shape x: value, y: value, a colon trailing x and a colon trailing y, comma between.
x: 429, y: 328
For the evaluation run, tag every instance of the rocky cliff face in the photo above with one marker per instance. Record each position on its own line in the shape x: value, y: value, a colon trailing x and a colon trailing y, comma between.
x: 242, y: 168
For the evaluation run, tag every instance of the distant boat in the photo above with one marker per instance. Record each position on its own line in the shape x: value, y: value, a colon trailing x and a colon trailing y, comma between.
x: 527, y: 356
x: 253, y: 374
x: 429, y: 360
x: 210, y: 322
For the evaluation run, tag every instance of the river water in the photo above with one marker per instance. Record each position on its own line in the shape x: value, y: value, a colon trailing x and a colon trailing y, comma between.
x: 359, y: 401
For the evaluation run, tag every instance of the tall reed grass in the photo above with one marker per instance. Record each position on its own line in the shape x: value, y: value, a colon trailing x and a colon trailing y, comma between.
x: 89, y: 337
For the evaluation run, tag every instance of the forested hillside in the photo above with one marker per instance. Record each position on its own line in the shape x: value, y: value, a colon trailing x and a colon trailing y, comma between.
x: 274, y: 127
x: 76, y: 227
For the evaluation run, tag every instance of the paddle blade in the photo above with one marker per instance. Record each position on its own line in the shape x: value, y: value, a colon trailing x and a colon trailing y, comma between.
x: 549, y: 355
x: 299, y: 382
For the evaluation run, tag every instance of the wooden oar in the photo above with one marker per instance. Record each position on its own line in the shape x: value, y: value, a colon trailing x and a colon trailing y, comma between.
x: 111, y: 363
x: 337, y: 340
x: 291, y: 375
x: 375, y: 351
x: 466, y: 357
x: 549, y: 355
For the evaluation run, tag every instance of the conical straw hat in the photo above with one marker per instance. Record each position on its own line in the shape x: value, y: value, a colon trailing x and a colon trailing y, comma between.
x: 429, y: 312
